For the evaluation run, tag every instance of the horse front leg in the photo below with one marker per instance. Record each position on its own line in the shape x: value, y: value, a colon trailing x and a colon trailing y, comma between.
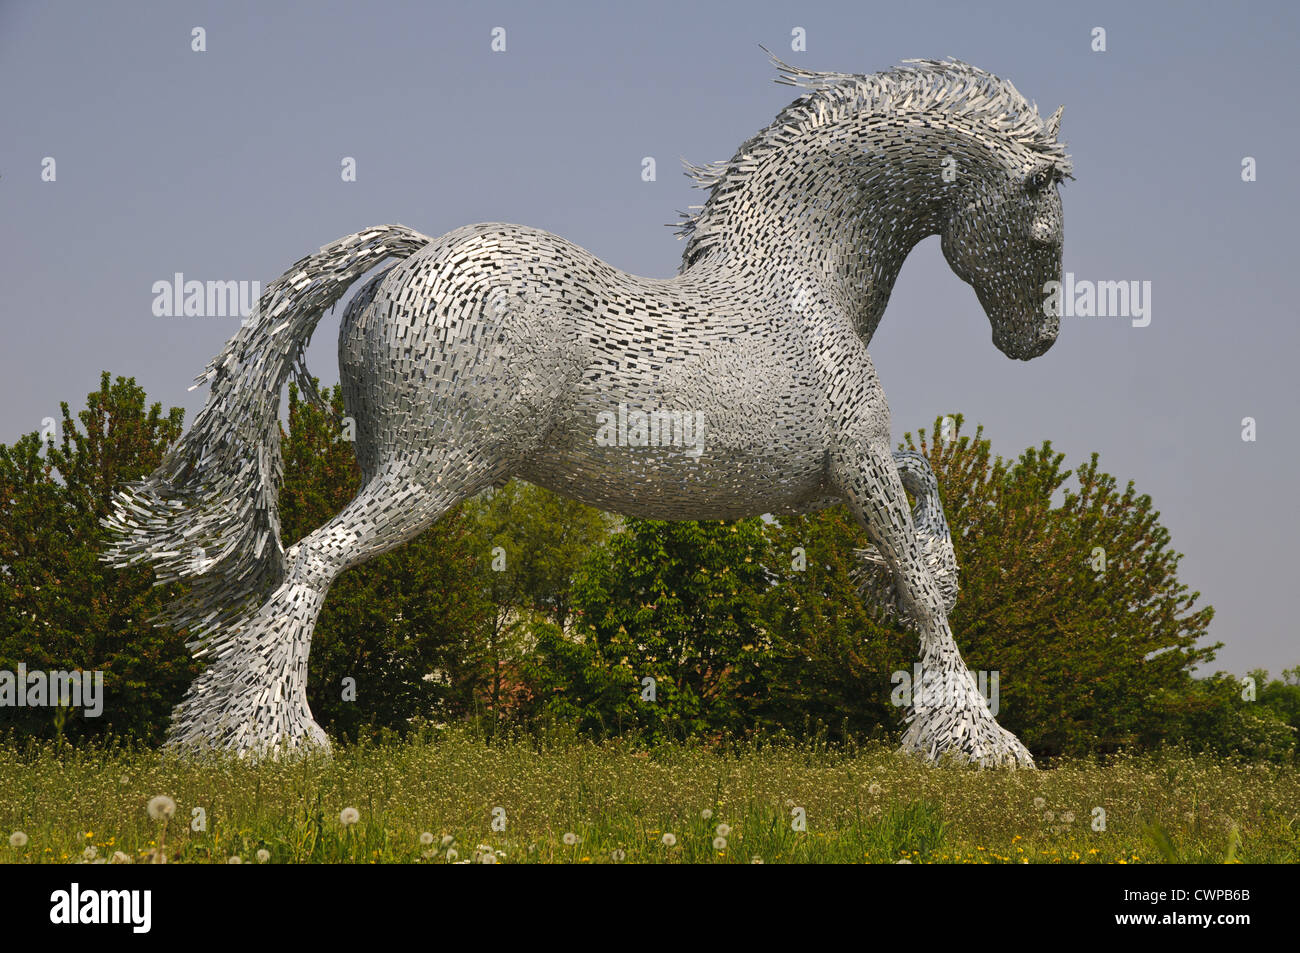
x: 948, y: 712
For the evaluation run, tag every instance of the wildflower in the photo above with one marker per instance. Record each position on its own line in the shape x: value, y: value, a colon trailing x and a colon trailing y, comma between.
x: 1068, y: 817
x: 670, y: 840
x: 874, y: 788
x: 426, y: 839
x: 349, y: 816
x: 452, y: 854
x: 719, y: 843
x: 618, y: 855
x: 707, y: 814
x: 1049, y: 816
x: 17, y: 839
x: 487, y: 858
x: 724, y: 830
x: 120, y: 858
x: 756, y: 859
x: 161, y: 807
x: 236, y: 859
x: 570, y: 839
x: 263, y: 856
x: 903, y: 861
x: 1039, y: 804
x: 447, y: 840
x: 91, y: 852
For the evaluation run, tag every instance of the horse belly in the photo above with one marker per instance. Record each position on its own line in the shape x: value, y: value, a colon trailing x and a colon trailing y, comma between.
x: 672, y: 468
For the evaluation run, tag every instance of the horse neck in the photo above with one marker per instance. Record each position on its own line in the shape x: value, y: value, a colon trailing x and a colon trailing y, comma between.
x: 852, y: 229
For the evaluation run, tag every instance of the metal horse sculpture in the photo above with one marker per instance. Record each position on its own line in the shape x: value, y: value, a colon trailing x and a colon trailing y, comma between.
x: 496, y: 350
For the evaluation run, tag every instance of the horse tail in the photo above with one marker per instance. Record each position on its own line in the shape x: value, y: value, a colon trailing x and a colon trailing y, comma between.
x: 875, y: 580
x: 208, y: 514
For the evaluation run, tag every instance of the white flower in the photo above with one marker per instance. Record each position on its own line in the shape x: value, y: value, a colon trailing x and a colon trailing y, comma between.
x: 1039, y: 804
x: 452, y: 854
x: 618, y: 855
x: 670, y: 840
x: 487, y: 858
x: 447, y: 840
x: 756, y: 860
x: 707, y: 814
x: 161, y: 807
x: 874, y: 788
x: 1068, y: 817
x: 17, y: 839
x: 263, y: 856
x: 120, y: 858
x: 349, y: 816
x: 236, y: 859
x: 91, y: 852
x: 724, y: 830
x: 1049, y: 816
x: 426, y: 838
x: 719, y: 843
x: 571, y: 839
x: 903, y: 861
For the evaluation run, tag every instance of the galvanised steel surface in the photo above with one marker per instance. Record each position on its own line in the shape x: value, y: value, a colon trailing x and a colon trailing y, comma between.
x: 740, y: 386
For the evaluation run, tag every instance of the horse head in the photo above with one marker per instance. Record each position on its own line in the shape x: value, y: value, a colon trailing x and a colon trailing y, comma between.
x: 1003, y: 237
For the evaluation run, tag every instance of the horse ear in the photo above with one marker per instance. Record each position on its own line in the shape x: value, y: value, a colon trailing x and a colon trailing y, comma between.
x: 1054, y: 122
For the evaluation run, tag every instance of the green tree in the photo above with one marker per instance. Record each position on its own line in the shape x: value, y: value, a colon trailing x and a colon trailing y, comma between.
x: 1281, y: 695
x: 61, y: 609
x: 532, y: 543
x: 676, y: 602
x: 832, y: 662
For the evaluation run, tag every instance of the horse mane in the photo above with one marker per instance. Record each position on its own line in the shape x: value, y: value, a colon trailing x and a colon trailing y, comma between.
x: 919, y: 85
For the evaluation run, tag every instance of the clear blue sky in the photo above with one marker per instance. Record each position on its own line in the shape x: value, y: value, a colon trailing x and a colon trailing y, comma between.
x: 224, y: 165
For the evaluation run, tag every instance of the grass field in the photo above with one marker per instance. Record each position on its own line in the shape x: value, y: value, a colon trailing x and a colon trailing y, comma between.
x: 433, y: 800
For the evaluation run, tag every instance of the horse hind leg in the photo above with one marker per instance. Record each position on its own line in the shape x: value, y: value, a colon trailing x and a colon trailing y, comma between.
x: 252, y: 697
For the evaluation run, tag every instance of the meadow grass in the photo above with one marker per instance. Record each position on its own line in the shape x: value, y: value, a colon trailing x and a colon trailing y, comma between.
x: 581, y: 802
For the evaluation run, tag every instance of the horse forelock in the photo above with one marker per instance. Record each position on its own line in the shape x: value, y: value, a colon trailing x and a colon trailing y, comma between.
x: 942, y: 87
